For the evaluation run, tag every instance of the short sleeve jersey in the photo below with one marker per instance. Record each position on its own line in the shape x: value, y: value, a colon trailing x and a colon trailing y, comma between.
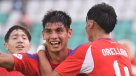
x: 4, y: 72
x: 26, y: 63
x: 103, y: 57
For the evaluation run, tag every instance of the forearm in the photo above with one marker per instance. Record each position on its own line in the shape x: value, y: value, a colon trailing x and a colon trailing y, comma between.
x: 45, y: 67
x: 6, y: 60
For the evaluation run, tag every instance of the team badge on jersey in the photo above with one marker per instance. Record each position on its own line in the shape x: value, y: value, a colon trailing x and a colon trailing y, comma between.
x: 19, y: 56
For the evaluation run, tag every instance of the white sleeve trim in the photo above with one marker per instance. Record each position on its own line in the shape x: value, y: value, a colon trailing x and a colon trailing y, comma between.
x: 88, y: 64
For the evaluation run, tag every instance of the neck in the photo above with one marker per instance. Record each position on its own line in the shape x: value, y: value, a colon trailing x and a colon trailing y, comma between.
x: 57, y: 57
x: 100, y: 34
x: 102, y: 37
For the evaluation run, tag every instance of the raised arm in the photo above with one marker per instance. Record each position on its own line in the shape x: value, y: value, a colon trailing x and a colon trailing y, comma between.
x: 6, y: 60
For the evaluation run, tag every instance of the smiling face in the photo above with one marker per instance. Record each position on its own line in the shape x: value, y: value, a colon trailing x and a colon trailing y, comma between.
x: 18, y: 41
x: 56, y: 36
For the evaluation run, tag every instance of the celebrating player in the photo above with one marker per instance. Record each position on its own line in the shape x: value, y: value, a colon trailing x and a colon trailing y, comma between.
x: 56, y: 32
x: 17, y: 39
x: 101, y: 57
x: 56, y: 25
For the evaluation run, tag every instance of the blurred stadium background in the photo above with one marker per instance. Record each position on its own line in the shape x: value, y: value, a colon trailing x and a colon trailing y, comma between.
x: 31, y: 12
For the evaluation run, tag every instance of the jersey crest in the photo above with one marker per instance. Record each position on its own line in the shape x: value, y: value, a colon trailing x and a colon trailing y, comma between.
x: 19, y: 56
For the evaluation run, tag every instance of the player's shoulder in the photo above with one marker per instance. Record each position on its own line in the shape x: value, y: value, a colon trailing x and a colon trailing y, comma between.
x: 26, y: 55
x: 105, y: 41
x: 86, y: 45
x: 81, y: 48
x: 33, y: 56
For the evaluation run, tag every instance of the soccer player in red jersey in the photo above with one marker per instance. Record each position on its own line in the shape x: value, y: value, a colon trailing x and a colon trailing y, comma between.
x: 17, y: 39
x: 56, y: 32
x: 102, y: 56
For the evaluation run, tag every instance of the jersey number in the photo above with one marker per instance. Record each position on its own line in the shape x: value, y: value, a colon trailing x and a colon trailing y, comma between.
x: 117, y: 69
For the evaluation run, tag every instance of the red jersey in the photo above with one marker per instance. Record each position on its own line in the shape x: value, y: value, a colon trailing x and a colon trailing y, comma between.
x: 103, y: 57
x: 133, y: 64
x: 48, y: 57
x: 4, y: 72
x: 27, y: 64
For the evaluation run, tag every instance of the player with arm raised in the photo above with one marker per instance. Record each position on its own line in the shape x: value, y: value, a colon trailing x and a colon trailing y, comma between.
x: 18, y: 42
x: 17, y: 39
x: 56, y: 32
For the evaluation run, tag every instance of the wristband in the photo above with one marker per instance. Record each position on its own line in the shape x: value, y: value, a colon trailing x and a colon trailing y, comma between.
x: 40, y: 48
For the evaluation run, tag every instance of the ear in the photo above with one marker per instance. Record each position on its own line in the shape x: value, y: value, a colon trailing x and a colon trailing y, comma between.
x: 90, y: 24
x: 69, y: 33
x: 6, y: 46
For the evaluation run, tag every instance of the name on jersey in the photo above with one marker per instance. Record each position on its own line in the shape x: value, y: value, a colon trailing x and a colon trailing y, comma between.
x: 114, y: 51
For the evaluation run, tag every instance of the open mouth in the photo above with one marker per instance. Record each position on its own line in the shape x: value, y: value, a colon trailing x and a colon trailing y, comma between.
x: 55, y: 43
x: 20, y: 47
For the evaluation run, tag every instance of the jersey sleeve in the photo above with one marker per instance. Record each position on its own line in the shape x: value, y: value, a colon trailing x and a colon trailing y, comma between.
x: 70, y: 67
x: 4, y: 72
x: 77, y: 63
x: 26, y: 64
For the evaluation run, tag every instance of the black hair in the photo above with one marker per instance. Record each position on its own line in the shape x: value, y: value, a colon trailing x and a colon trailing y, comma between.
x: 15, y: 27
x: 57, y: 16
x: 104, y: 15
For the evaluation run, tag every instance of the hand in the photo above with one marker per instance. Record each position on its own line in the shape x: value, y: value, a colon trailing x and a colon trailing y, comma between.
x: 41, y: 48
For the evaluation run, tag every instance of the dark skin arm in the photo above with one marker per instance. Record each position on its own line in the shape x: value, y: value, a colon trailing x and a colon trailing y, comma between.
x: 6, y: 60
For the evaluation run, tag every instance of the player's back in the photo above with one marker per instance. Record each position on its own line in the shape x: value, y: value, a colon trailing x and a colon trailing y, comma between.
x: 103, y: 57
x: 110, y: 59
